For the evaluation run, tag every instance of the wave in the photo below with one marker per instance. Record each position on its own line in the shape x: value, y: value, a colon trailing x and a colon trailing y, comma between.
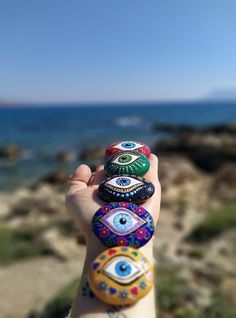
x: 128, y: 121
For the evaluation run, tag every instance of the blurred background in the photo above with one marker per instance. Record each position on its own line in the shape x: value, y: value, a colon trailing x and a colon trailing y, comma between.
x: 78, y: 75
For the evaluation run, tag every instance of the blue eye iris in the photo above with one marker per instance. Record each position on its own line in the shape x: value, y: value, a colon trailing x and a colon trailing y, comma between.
x: 123, y: 268
x: 123, y: 181
x: 122, y: 221
x: 128, y: 145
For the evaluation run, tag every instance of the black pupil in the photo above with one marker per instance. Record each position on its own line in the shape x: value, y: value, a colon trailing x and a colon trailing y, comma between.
x: 122, y: 221
x: 122, y: 268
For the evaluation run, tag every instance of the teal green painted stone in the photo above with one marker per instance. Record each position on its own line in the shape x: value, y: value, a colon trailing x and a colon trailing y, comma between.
x: 127, y: 162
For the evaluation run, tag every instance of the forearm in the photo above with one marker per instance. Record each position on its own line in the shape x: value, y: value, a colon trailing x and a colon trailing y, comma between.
x: 86, y: 305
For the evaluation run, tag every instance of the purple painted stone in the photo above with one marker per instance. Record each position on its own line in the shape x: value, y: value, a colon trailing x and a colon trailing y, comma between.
x: 123, y: 224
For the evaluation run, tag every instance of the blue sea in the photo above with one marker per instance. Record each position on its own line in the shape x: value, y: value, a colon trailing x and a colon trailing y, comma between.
x: 42, y: 131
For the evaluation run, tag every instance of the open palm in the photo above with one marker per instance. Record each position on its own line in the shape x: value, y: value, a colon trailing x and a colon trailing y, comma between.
x: 82, y: 199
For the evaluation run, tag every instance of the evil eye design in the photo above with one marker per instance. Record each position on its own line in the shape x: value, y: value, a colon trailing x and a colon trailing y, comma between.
x: 123, y: 224
x: 125, y: 188
x: 123, y: 182
x: 122, y: 270
x: 125, y: 158
x: 127, y: 163
x: 128, y: 145
x: 120, y: 276
x: 122, y: 221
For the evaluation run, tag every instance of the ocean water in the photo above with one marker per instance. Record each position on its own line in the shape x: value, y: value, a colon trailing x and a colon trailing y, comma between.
x: 41, y: 132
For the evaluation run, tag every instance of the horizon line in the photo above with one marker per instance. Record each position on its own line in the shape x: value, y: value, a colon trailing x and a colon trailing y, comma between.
x: 7, y: 103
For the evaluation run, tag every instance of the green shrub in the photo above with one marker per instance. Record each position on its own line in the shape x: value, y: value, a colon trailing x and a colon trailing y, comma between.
x: 187, y: 312
x: 67, y: 227
x: 220, y: 307
x: 16, y: 244
x: 59, y: 306
x: 215, y: 224
x: 175, y: 299
x: 169, y: 294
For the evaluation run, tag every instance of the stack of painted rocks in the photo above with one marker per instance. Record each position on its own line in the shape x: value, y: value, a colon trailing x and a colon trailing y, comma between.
x: 122, y: 275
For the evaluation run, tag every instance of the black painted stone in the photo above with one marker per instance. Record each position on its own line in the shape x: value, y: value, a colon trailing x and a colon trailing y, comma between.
x: 126, y: 188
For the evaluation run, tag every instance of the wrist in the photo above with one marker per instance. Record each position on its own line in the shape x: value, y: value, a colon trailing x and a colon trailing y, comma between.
x: 84, y: 302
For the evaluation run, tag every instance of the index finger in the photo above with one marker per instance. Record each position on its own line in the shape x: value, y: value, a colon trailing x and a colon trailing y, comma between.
x: 152, y: 174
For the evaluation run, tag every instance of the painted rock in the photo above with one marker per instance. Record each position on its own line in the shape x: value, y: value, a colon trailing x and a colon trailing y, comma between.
x: 127, y: 162
x: 123, y: 224
x: 126, y: 188
x: 127, y: 145
x: 121, y: 276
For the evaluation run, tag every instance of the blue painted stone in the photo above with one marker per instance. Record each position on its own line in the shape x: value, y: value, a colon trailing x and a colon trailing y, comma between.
x: 123, y: 224
x: 127, y: 162
x: 126, y: 188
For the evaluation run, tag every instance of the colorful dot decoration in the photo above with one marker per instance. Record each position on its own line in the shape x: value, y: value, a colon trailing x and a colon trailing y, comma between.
x: 121, y: 275
x: 127, y: 163
x: 128, y: 145
x: 126, y: 188
x: 123, y: 224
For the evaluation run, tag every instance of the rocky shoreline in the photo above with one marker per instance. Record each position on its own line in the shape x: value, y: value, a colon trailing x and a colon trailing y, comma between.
x: 194, y: 244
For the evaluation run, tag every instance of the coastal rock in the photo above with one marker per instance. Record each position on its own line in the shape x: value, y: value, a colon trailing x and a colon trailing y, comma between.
x: 229, y: 128
x: 208, y: 151
x: 224, y: 182
x: 127, y: 162
x: 64, y: 247
x: 176, y: 170
x: 95, y: 153
x: 126, y: 188
x: 182, y: 183
x: 58, y: 177
x: 36, y: 207
x: 229, y: 287
x: 174, y: 129
x: 127, y: 145
x: 63, y: 156
x: 10, y: 151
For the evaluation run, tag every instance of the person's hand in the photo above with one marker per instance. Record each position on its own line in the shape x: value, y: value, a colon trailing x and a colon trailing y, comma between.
x: 82, y: 199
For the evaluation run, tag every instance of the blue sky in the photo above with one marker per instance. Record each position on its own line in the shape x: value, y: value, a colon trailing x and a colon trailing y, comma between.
x: 95, y: 50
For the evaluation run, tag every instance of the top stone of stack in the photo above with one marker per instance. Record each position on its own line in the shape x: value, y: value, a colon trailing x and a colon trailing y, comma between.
x: 127, y: 146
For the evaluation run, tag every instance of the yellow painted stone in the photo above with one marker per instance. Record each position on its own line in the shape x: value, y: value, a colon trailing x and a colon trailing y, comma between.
x: 121, y: 276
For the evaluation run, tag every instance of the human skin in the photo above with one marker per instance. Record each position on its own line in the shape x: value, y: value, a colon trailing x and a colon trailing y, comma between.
x: 82, y: 202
